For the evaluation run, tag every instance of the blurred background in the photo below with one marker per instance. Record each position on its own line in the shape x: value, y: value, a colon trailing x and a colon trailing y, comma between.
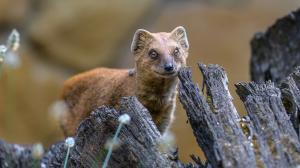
x: 60, y: 38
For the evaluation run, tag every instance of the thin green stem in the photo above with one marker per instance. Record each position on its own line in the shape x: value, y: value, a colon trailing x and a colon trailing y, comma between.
x: 67, y: 157
x: 114, y: 141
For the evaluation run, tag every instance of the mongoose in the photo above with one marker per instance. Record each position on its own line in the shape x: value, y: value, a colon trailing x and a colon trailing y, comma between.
x: 157, y: 56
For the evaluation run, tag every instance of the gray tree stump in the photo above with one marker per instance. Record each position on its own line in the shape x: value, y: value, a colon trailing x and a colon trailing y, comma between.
x: 276, y: 53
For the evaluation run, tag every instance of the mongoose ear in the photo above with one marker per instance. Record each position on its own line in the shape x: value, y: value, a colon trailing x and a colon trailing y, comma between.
x: 140, y: 39
x: 180, y: 35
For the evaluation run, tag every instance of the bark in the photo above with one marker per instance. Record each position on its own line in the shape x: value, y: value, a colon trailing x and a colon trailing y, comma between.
x: 264, y: 138
x: 139, y: 141
x: 275, y: 141
x: 275, y: 56
x: 290, y: 88
x: 214, y: 119
x: 14, y: 155
x: 276, y: 52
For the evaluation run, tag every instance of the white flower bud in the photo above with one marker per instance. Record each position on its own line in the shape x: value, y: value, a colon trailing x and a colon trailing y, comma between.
x: 70, y: 142
x: 43, y: 165
x: 13, y: 41
x: 3, y: 50
x: 124, y: 119
x: 37, y: 150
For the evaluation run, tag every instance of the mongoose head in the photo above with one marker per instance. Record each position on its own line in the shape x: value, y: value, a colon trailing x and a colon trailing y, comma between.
x: 160, y: 54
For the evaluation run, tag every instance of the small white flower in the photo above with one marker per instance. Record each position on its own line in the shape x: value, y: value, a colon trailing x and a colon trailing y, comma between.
x: 13, y: 41
x: 43, y: 165
x: 70, y: 142
x: 37, y: 150
x: 124, y: 119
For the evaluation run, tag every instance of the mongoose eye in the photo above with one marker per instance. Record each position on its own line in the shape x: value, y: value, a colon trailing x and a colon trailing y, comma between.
x: 176, y: 52
x: 153, y: 54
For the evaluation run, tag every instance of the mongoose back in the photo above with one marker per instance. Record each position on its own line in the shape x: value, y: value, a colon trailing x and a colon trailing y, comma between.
x: 157, y: 56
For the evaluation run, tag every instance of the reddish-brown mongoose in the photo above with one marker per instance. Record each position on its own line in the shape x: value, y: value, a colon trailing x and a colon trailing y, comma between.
x: 158, y: 57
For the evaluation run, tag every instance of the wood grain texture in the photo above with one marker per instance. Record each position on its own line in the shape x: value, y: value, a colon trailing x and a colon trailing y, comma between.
x: 214, y: 119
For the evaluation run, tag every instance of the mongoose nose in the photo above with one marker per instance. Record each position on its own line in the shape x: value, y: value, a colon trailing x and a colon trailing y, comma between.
x: 169, y: 67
